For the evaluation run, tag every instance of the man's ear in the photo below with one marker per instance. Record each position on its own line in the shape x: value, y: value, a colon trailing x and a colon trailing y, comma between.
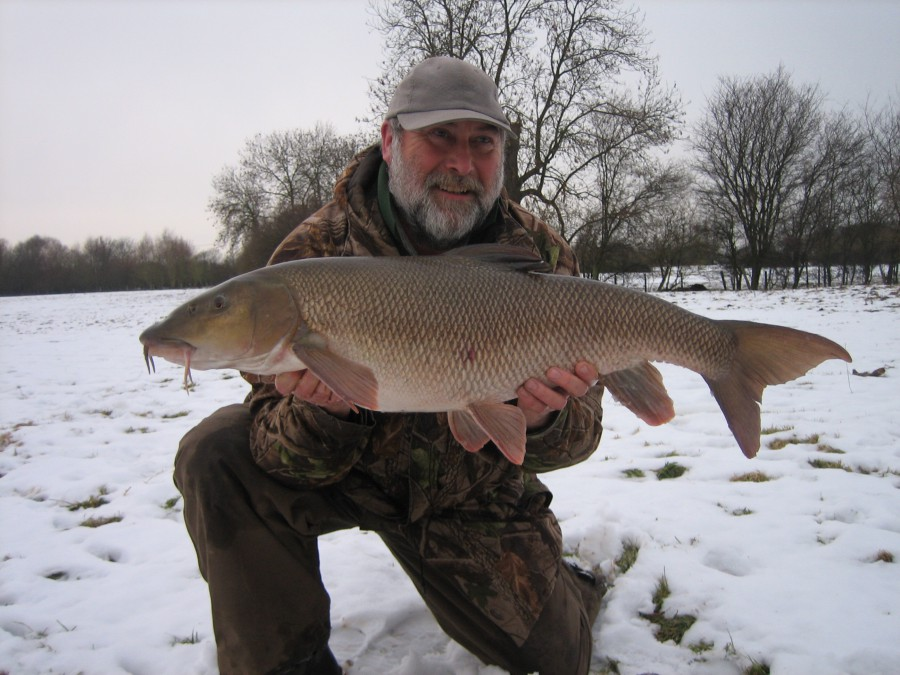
x: 387, y: 137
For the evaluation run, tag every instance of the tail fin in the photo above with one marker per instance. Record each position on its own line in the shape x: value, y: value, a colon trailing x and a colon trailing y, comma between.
x: 765, y: 355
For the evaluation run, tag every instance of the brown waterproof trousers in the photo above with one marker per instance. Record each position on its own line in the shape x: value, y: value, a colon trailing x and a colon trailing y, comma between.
x: 256, y: 542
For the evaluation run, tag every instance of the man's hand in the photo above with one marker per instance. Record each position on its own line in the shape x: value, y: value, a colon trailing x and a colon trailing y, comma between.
x: 539, y: 402
x: 307, y: 387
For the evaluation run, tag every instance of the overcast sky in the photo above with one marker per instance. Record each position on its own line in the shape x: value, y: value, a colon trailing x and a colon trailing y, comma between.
x: 116, y: 114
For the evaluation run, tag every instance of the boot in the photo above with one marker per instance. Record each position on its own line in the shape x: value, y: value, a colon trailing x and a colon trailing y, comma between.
x: 592, y: 586
x: 320, y: 663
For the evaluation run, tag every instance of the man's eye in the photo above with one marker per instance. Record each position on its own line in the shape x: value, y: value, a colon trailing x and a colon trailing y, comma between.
x: 484, y: 143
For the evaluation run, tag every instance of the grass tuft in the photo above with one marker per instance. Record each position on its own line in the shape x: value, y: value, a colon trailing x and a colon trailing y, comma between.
x: 92, y: 502
x: 661, y: 593
x: 96, y: 521
x: 633, y: 473
x: 609, y: 667
x: 628, y: 557
x: 701, y: 646
x: 668, y: 627
x: 671, y: 470
x: 781, y: 443
x: 826, y: 464
x: 191, y: 639
x: 883, y: 556
x: 752, y: 477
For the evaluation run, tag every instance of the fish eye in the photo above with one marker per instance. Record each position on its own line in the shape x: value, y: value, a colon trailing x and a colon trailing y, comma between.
x: 219, y: 302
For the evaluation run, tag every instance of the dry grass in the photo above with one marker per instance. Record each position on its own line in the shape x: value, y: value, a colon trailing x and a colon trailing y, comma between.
x: 781, y: 443
x: 752, y: 477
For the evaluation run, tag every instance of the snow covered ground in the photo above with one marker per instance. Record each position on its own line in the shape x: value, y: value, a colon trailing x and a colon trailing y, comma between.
x: 795, y: 573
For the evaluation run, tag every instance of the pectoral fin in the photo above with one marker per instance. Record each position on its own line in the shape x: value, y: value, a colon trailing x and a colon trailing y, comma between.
x: 353, y: 382
x: 641, y: 390
x: 501, y: 423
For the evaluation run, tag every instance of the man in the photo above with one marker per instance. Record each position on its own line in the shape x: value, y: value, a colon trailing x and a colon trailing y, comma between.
x: 472, y: 530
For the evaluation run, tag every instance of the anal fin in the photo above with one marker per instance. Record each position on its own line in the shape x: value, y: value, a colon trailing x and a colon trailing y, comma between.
x: 641, y: 390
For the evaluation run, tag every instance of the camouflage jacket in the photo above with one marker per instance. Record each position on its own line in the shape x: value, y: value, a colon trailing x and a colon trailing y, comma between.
x: 473, y: 508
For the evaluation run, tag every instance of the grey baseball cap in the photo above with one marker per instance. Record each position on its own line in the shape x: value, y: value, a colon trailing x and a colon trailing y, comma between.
x: 445, y: 89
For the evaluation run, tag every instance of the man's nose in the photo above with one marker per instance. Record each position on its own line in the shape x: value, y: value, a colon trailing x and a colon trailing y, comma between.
x: 459, y: 158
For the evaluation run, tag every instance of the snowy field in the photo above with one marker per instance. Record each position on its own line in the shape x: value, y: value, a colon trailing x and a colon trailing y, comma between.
x: 800, y: 572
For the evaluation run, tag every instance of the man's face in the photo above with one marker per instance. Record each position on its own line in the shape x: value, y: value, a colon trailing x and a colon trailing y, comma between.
x: 445, y: 177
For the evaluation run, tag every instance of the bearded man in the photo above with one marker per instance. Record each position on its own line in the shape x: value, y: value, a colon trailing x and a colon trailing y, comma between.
x: 264, y: 479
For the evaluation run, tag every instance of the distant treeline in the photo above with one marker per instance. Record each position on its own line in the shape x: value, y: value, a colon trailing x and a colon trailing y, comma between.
x: 43, y: 265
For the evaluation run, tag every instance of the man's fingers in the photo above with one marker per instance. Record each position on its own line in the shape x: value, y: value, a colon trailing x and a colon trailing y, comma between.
x: 587, y: 372
x: 546, y: 396
x: 311, y: 388
x: 527, y: 401
x: 285, y: 383
x: 577, y: 383
x: 302, y: 384
x: 307, y: 387
x: 538, y: 397
x: 321, y: 394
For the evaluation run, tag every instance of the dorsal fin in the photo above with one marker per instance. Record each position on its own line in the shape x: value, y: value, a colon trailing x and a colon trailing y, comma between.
x: 516, y: 257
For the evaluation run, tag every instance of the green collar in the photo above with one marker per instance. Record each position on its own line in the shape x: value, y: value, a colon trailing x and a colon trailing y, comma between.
x: 388, y: 214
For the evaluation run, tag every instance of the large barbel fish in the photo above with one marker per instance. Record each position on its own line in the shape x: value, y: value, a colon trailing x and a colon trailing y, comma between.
x: 460, y: 332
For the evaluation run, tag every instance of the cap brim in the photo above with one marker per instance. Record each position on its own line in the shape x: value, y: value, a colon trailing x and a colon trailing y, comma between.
x: 420, y: 120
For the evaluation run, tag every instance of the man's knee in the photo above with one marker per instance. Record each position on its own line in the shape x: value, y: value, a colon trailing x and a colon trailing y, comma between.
x: 221, y: 439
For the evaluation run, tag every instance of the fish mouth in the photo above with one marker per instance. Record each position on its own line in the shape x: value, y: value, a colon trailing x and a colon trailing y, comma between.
x: 171, y: 349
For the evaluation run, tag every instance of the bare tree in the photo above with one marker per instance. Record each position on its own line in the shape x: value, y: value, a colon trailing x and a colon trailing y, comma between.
x: 751, y: 148
x: 884, y: 136
x: 575, y: 78
x: 673, y: 235
x: 834, y: 160
x: 628, y: 189
x: 278, y: 172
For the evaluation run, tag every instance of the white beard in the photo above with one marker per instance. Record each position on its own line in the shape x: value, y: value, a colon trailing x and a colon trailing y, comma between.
x: 442, y: 226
